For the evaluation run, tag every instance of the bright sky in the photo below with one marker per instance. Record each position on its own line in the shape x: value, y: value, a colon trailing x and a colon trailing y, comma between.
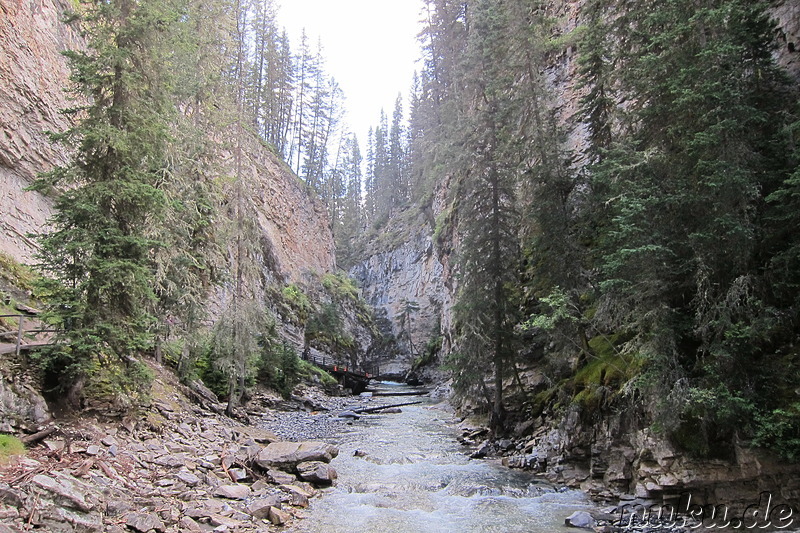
x: 370, y: 47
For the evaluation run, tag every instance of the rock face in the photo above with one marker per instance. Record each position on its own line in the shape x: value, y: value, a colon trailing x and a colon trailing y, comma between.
x: 33, y: 74
x: 297, y: 240
x: 21, y: 407
x: 614, y: 457
x: 296, y: 235
x: 407, y: 286
x: 786, y: 16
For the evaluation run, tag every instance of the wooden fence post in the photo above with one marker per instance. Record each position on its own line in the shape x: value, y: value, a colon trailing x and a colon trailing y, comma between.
x: 19, y: 334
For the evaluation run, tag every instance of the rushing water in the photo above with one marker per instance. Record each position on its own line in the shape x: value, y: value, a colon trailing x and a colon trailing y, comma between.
x: 416, y: 478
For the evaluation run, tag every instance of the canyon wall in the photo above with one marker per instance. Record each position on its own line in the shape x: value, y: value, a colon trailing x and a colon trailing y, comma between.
x: 295, y: 242
x: 407, y: 285
x: 33, y: 77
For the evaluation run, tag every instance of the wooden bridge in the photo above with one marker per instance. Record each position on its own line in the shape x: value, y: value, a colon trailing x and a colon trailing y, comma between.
x: 22, y: 336
x: 353, y: 378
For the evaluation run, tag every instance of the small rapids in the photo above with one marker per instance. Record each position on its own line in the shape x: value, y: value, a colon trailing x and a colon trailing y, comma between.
x: 411, y: 475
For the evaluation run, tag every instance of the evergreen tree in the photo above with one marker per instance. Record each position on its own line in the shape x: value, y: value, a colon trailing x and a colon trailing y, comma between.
x: 396, y: 161
x: 370, y: 192
x: 489, y: 255
x: 683, y: 186
x: 351, y: 216
x: 98, y: 253
x: 189, y: 265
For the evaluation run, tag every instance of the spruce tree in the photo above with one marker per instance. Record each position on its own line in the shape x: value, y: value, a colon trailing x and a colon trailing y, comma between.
x: 489, y: 251
x: 98, y: 253
x: 683, y: 184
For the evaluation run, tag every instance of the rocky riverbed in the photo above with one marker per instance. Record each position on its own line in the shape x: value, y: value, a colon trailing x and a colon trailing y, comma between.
x: 176, y: 466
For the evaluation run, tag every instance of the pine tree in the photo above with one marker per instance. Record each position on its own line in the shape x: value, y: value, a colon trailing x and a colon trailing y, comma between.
x: 98, y: 253
x: 683, y: 185
x: 489, y: 255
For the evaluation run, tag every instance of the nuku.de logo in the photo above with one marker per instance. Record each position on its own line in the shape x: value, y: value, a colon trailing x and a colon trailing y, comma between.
x: 762, y: 515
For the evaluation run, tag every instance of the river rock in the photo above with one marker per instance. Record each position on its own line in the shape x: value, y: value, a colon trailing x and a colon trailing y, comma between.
x: 580, y: 519
x: 260, y: 508
x: 352, y: 415
x: 316, y: 472
x: 144, y: 522
x: 280, y: 478
x: 233, y: 492
x: 483, y: 450
x: 277, y: 516
x: 288, y: 454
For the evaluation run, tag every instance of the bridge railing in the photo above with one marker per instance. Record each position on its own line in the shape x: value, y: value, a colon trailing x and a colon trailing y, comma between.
x: 328, y: 363
x: 20, y: 331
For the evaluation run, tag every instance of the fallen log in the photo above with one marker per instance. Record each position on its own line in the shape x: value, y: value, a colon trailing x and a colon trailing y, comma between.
x: 30, y: 439
x: 382, y: 407
x: 403, y: 393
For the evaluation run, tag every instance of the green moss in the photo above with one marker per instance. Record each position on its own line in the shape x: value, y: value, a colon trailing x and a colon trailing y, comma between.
x: 542, y: 400
x: 123, y: 385
x: 443, y: 227
x: 604, y: 375
x: 10, y: 447
x: 15, y: 273
x: 591, y: 399
x: 341, y: 286
x: 308, y: 370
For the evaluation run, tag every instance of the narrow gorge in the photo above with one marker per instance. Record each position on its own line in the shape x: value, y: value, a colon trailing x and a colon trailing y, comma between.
x: 603, y: 290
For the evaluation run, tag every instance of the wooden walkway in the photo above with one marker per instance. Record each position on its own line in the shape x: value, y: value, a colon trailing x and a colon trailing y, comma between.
x: 354, y: 378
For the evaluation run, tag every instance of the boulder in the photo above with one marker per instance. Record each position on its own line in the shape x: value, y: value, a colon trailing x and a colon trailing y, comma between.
x: 286, y: 455
x: 580, y: 519
x: 316, y: 472
x: 260, y: 508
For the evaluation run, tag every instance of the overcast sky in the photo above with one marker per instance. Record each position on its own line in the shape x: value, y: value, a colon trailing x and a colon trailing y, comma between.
x: 370, y: 47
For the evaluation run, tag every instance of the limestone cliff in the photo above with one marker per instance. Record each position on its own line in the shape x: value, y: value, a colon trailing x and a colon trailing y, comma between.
x: 406, y: 282
x: 33, y: 75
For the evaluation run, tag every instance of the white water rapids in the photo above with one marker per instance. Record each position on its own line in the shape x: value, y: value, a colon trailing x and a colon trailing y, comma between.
x: 415, y: 478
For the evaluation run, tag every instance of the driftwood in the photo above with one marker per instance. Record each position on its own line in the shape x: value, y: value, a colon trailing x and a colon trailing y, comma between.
x: 381, y: 407
x: 30, y: 439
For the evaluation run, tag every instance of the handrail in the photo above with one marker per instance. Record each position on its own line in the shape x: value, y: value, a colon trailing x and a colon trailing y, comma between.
x: 329, y: 362
x: 20, y: 328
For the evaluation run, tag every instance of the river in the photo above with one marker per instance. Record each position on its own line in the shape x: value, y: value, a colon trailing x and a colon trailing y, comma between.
x: 415, y: 477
